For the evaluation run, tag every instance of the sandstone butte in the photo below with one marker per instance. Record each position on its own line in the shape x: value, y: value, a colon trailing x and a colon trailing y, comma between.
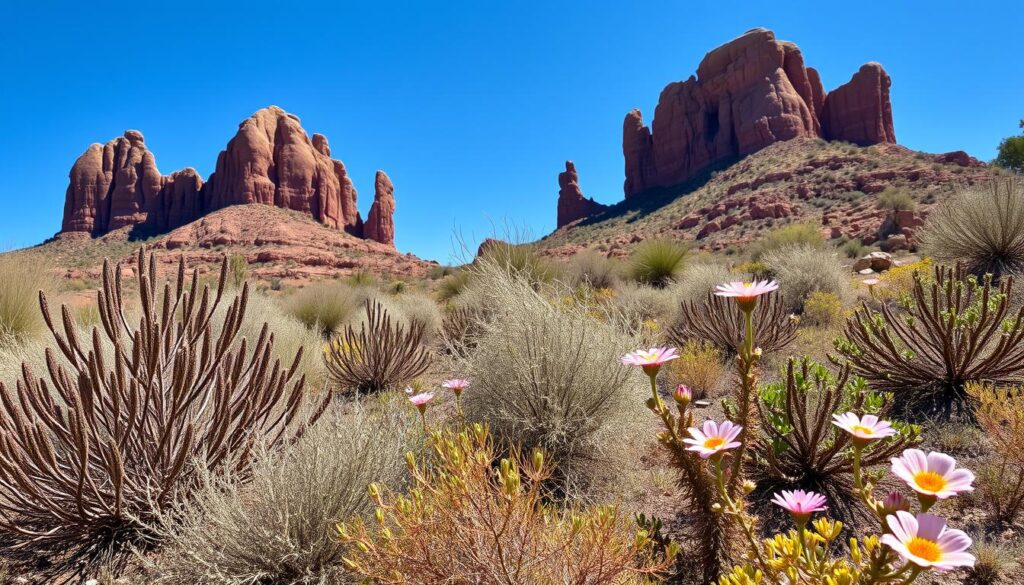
x: 270, y: 161
x: 747, y: 94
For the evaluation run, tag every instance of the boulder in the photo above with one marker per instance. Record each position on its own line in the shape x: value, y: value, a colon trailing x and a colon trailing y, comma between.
x: 874, y: 261
x: 859, y: 111
x: 572, y: 205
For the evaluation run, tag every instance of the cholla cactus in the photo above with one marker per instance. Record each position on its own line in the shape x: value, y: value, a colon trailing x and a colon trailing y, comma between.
x: 92, y: 457
x: 471, y: 515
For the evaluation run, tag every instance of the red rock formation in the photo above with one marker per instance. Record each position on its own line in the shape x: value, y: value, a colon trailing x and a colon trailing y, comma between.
x: 271, y: 160
x: 859, y: 110
x: 572, y: 205
x: 380, y: 223
x: 747, y: 94
x: 118, y: 184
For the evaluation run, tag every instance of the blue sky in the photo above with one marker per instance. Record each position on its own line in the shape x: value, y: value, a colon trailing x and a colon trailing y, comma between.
x: 471, y: 107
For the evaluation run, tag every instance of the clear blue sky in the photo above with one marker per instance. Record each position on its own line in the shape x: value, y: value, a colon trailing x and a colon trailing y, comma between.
x: 471, y: 107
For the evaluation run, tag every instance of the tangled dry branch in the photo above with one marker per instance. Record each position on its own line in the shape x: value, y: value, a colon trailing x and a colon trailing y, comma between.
x: 718, y: 321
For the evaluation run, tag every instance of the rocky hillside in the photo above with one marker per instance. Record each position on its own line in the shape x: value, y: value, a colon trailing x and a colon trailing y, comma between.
x: 271, y: 161
x: 277, y: 244
x: 834, y: 185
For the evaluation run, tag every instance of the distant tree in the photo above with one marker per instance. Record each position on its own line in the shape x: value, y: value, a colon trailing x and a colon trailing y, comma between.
x: 1011, y: 152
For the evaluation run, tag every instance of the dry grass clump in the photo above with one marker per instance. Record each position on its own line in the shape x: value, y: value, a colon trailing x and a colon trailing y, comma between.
x: 797, y: 235
x: 594, y: 269
x: 700, y: 367
x: 981, y: 228
x: 279, y: 527
x: 483, y: 518
x: 521, y: 260
x: 657, y: 262
x: 20, y: 282
x: 546, y: 376
x: 123, y: 428
x: 993, y: 562
x: 323, y: 306
x: 699, y: 279
x: 637, y: 308
x: 803, y: 270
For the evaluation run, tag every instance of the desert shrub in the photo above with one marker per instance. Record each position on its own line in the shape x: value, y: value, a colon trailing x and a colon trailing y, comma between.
x: 174, y: 396
x: 718, y: 321
x: 635, y: 308
x: 657, y: 262
x: 521, y: 260
x: 381, y: 354
x: 415, y: 307
x: 898, y: 281
x: 1010, y: 154
x: 323, y: 306
x: 854, y: 248
x: 461, y: 328
x: 801, y: 235
x: 593, y: 269
x: 290, y: 337
x: 981, y: 228
x: 948, y: 333
x: 279, y: 527
x: 483, y: 518
x: 700, y: 367
x: 361, y: 278
x: 895, y: 199
x: 238, y: 270
x: 802, y: 270
x: 541, y: 379
x: 452, y: 285
x: 993, y: 562
x: 699, y: 279
x: 802, y: 449
x: 20, y: 283
x: 823, y: 309
x: 1000, y: 414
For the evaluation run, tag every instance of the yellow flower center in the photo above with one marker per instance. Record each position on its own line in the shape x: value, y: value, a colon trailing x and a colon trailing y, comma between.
x: 924, y: 549
x: 929, y: 481
x: 713, y: 442
x: 863, y: 430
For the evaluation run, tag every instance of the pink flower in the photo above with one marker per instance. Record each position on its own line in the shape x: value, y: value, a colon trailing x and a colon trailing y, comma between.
x: 650, y: 360
x: 870, y: 281
x: 925, y: 541
x: 457, y: 385
x: 746, y: 290
x: 863, y: 429
x: 934, y: 475
x: 713, y: 438
x: 683, y: 395
x: 800, y: 504
x: 420, y: 400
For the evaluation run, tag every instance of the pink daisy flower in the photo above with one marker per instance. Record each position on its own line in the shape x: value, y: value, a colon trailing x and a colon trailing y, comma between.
x: 925, y: 541
x: 746, y: 290
x: 933, y: 475
x: 420, y: 400
x: 457, y: 385
x: 870, y: 281
x: 800, y: 504
x: 863, y: 429
x: 651, y: 359
x: 713, y: 438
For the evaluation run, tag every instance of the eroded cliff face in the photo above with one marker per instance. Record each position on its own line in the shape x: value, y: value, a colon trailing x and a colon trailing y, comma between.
x: 380, y: 223
x: 271, y: 161
x: 749, y: 93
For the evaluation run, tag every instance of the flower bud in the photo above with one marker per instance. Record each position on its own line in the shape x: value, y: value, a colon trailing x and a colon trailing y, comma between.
x: 749, y: 486
x: 716, y: 507
x: 895, y: 502
x: 683, y: 395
